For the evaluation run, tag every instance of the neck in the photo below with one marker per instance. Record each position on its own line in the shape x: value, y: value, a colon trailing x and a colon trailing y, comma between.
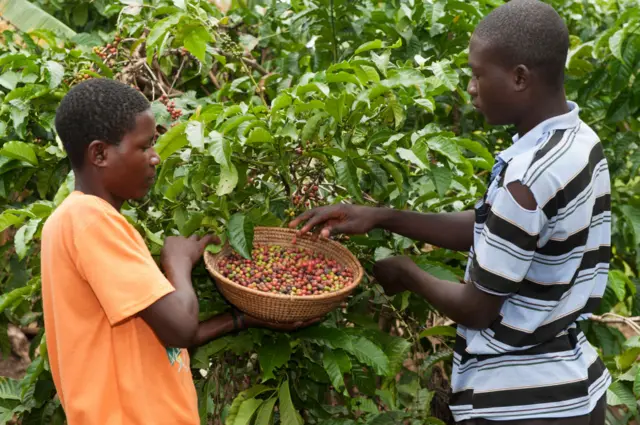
x: 89, y: 186
x: 549, y: 107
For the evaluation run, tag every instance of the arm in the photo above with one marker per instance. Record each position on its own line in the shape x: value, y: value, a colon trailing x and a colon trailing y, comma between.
x: 447, y: 230
x: 174, y: 317
x: 463, y: 303
x: 516, y: 222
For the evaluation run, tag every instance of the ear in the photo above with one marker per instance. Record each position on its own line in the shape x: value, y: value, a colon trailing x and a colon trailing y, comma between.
x: 97, y: 153
x: 521, y: 78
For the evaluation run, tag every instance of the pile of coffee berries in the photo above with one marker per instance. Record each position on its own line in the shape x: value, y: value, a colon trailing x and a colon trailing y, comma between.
x: 291, y: 271
x: 171, y: 107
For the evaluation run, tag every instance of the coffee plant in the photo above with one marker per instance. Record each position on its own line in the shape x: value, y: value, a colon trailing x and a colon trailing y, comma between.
x: 267, y: 108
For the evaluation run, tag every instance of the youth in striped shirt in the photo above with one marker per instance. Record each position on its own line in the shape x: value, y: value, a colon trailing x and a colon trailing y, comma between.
x: 538, y: 241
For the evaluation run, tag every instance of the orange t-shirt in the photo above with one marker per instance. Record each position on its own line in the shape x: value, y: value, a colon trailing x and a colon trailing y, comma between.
x: 108, y: 365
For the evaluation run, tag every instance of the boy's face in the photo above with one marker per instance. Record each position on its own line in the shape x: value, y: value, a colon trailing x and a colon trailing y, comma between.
x: 128, y: 168
x: 495, y: 90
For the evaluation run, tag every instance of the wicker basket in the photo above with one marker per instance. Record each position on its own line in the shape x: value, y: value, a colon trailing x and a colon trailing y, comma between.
x: 280, y: 307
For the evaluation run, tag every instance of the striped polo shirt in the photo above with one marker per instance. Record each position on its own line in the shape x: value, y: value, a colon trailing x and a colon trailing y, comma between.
x: 551, y: 264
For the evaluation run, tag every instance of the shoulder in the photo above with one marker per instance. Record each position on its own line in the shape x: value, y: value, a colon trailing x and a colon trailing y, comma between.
x: 569, y: 156
x: 79, y: 211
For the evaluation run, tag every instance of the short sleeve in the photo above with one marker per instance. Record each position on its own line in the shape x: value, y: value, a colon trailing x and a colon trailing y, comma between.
x: 503, y: 252
x: 117, y: 265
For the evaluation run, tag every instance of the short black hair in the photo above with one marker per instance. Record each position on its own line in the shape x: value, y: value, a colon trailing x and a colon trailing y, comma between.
x: 531, y: 33
x: 97, y: 109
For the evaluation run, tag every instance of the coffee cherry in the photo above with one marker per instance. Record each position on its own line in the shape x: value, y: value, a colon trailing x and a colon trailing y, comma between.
x: 292, y: 271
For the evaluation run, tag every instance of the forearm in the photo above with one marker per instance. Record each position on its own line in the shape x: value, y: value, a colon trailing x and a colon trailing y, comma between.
x: 446, y: 230
x: 462, y: 303
x: 213, y: 328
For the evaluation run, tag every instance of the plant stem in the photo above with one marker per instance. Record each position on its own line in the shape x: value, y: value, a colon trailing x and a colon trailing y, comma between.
x: 333, y: 33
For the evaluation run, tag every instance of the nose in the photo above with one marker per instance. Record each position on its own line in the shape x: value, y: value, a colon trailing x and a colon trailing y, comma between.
x: 155, y: 158
x: 472, y: 87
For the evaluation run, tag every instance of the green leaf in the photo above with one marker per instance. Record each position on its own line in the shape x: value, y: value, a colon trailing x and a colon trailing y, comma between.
x: 619, y: 395
x: 56, y: 73
x: 9, y: 389
x: 445, y: 74
x: 27, y: 17
x: 323, y: 335
x: 348, y: 176
x: 220, y: 149
x: 234, y: 122
x: 342, y: 77
x: 618, y: 282
x: 247, y: 410
x: 259, y: 135
x: 446, y: 147
x: 336, y: 107
x: 442, y: 178
x: 280, y: 102
x: 312, y: 126
x: 632, y: 214
x: 370, y: 354
x: 382, y: 252
x: 370, y: 45
x: 381, y: 61
x: 8, y: 219
x: 476, y: 148
x: 24, y: 236
x: 615, y: 44
x: 409, y: 155
x: 288, y: 413
x: 427, y: 104
x: 439, y: 331
x: 241, y: 234
x: 330, y: 364
x: 250, y: 393
x: 195, y: 41
x: 10, y: 298
x: 228, y: 180
x: 405, y: 78
x: 274, y: 355
x: 636, y: 384
x: 367, y: 74
x: 159, y: 30
x: 195, y: 134
x: 171, y: 141
x: 265, y: 412
x: 21, y: 151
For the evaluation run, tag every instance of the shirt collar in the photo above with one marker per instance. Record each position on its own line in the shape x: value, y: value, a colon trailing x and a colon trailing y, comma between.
x: 537, y: 134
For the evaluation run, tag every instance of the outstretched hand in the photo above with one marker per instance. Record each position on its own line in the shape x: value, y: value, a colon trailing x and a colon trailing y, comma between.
x: 334, y: 219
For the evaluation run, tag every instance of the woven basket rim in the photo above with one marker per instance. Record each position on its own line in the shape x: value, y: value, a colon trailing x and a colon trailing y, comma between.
x: 210, y: 259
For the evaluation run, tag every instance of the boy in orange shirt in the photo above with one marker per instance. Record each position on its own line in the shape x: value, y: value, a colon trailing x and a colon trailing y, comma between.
x: 117, y: 328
